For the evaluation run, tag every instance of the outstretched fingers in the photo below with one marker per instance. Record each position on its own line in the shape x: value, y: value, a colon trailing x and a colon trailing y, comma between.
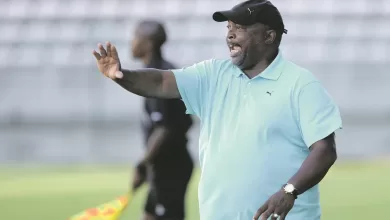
x: 103, y: 52
x: 108, y: 61
x: 110, y: 51
x: 114, y: 52
x: 96, y: 54
x: 108, y: 46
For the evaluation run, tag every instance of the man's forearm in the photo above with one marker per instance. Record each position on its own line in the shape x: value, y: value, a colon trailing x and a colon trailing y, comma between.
x: 144, y: 82
x: 315, y: 167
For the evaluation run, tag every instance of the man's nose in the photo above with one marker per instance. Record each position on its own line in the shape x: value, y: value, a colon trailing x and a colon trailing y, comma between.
x: 231, y: 35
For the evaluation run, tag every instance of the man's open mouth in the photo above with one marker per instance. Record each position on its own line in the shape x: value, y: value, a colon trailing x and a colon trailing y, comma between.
x: 235, y: 49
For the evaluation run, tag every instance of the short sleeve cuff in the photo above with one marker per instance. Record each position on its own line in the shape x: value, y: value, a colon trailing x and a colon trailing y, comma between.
x: 322, y: 132
x: 181, y: 83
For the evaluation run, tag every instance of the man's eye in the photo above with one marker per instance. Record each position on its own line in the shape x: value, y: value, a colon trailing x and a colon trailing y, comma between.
x: 228, y: 26
x: 238, y: 27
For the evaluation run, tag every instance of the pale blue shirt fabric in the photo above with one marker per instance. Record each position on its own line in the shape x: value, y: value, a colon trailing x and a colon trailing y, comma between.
x: 255, y: 134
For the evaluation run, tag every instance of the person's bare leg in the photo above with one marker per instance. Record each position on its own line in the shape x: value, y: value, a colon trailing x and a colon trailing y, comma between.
x: 148, y: 216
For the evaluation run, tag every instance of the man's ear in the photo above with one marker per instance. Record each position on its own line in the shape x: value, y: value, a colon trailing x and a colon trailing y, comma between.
x: 270, y: 36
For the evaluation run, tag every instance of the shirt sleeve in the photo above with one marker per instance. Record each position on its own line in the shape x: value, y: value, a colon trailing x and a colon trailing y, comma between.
x: 318, y: 115
x: 192, y: 83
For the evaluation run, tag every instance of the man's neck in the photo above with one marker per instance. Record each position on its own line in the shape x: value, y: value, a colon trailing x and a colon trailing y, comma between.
x: 260, y: 66
x: 149, y: 58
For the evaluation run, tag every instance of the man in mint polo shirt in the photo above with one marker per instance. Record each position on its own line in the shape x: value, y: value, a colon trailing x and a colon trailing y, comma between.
x: 267, y: 124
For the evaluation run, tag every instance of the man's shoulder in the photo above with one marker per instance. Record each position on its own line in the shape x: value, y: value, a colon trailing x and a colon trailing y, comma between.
x: 216, y: 62
x: 298, y: 74
x: 222, y: 63
x: 210, y: 66
x: 217, y: 67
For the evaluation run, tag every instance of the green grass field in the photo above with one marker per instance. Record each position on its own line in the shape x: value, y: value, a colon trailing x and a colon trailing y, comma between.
x: 351, y: 191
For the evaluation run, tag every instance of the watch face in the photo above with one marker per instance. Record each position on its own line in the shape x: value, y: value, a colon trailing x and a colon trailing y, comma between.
x: 289, y: 188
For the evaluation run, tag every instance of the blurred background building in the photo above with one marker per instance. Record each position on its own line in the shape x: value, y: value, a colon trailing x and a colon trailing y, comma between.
x: 56, y: 108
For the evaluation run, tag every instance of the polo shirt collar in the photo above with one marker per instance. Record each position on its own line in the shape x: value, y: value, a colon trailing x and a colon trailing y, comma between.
x: 273, y: 71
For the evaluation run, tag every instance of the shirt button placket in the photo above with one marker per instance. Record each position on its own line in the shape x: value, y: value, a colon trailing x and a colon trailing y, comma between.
x: 247, y: 90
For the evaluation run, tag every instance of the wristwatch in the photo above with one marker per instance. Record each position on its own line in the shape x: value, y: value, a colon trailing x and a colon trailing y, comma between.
x: 290, y: 189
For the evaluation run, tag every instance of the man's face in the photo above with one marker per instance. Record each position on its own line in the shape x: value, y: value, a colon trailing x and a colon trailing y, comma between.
x: 246, y: 44
x: 138, y: 45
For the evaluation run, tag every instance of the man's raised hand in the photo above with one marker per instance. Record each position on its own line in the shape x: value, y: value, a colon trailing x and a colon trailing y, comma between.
x: 147, y: 82
x: 108, y: 61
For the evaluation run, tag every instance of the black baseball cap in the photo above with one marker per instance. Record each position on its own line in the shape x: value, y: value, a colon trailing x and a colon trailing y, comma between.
x: 251, y: 12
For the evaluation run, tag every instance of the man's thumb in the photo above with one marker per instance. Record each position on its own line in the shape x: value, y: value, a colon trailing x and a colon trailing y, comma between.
x: 118, y: 74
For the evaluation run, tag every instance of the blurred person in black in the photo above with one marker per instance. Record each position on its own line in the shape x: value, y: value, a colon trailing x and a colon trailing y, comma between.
x: 167, y: 164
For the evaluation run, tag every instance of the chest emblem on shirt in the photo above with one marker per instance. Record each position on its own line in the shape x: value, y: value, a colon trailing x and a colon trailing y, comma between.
x: 270, y: 93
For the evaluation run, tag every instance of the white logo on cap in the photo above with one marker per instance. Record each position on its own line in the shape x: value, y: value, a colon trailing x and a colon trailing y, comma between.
x: 250, y: 12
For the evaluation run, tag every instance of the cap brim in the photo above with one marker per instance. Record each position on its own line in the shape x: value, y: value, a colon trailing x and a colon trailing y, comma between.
x: 236, y: 17
x: 221, y: 16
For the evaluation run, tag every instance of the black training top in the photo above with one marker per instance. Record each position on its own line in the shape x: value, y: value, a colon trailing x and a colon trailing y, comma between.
x: 169, y: 113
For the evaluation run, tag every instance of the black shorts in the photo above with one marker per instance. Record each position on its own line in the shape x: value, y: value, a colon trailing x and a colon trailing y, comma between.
x: 168, y: 186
